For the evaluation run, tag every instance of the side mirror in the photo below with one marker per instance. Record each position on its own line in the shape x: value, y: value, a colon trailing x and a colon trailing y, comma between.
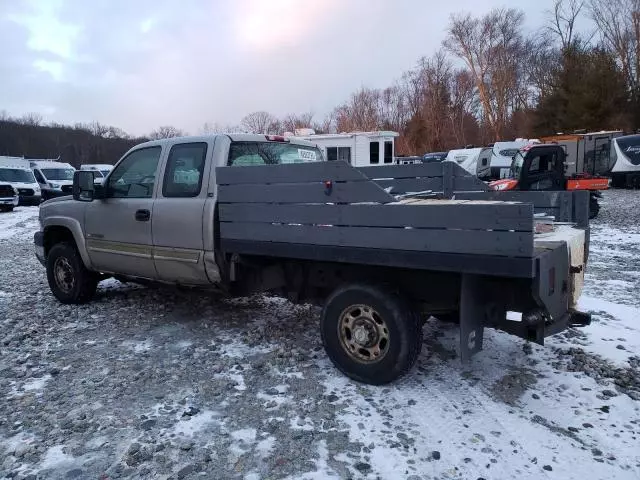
x: 83, y: 187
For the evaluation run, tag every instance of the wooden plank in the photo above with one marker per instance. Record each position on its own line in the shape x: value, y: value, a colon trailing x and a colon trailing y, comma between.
x: 539, y: 199
x: 447, y: 179
x: 403, y: 171
x: 518, y: 244
x: 288, y: 173
x: 350, y: 192
x: 510, y: 267
x: 464, y: 216
x: 404, y: 185
x: 469, y: 184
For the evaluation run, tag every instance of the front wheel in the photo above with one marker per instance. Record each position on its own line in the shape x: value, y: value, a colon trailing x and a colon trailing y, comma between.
x: 69, y: 280
x: 6, y: 208
x: 370, y: 335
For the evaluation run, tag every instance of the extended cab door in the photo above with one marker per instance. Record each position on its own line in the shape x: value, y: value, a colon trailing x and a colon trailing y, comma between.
x: 543, y: 169
x: 118, y: 227
x: 178, y: 212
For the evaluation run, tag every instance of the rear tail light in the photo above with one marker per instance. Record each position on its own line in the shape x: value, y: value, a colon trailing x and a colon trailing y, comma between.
x: 276, y: 138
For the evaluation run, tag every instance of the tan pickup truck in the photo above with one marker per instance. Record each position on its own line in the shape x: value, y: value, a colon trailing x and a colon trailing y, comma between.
x: 255, y: 213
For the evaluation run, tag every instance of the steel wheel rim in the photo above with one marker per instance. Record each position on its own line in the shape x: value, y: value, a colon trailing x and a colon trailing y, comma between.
x: 363, y: 333
x: 63, y: 274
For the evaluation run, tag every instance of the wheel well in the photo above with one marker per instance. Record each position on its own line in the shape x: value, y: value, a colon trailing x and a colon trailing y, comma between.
x: 56, y: 234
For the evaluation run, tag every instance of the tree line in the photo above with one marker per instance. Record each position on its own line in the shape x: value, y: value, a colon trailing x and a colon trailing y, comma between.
x: 489, y: 80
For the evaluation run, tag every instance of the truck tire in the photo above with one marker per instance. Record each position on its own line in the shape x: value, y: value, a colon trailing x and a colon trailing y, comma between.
x: 6, y: 208
x: 594, y: 207
x: 69, y: 279
x: 370, y: 334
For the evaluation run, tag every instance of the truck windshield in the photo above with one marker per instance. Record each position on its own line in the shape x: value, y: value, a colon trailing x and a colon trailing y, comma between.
x: 58, y: 173
x: 516, y: 165
x: 271, y: 153
x: 16, y: 175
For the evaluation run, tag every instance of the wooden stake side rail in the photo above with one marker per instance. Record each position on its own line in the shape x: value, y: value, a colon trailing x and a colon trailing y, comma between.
x: 333, y: 205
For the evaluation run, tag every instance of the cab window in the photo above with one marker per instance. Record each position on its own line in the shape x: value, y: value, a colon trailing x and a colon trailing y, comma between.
x: 135, y: 175
x: 184, y: 170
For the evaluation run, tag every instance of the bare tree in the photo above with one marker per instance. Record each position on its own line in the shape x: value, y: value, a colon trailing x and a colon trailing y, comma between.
x: 166, y: 131
x: 563, y: 20
x: 360, y: 112
x: 213, y: 128
x: 261, y: 122
x: 293, y: 121
x: 618, y: 23
x: 493, y: 49
x: 33, y: 119
x: 4, y: 116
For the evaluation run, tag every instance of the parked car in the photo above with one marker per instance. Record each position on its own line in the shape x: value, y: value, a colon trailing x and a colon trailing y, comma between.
x: 17, y: 172
x: 8, y: 197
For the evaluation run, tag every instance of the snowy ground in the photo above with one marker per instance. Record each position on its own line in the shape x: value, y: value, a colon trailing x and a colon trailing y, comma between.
x: 157, y: 383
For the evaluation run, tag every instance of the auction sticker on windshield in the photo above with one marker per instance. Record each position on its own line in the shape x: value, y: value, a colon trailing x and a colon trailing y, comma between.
x: 306, y: 155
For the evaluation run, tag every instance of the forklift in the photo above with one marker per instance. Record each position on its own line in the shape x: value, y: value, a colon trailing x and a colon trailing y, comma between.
x: 542, y: 167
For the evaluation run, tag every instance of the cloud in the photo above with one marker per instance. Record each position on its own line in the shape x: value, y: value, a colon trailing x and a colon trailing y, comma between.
x: 140, y: 64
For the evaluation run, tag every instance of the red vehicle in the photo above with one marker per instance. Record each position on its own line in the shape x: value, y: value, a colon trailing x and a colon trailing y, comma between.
x: 541, y: 167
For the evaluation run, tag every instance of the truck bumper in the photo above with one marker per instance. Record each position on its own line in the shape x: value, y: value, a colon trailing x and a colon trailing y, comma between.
x: 572, y: 318
x: 9, y: 201
x: 38, y: 244
x: 30, y: 200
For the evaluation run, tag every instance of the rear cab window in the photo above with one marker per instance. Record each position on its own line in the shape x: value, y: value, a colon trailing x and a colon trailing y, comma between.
x: 271, y: 153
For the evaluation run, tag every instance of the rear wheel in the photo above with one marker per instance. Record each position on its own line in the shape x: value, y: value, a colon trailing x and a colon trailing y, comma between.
x: 371, y: 335
x: 69, y: 280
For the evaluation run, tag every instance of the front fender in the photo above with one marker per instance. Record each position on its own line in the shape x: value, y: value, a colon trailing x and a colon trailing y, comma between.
x: 75, y: 228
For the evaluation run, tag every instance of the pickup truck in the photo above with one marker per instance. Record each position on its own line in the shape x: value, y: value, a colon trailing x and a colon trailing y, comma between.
x: 257, y: 213
x: 8, y: 197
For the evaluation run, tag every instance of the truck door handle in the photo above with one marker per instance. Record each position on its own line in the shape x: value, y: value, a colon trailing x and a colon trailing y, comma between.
x: 143, y: 215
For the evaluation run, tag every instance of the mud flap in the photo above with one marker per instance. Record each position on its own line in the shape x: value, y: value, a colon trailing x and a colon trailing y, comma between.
x: 472, y: 313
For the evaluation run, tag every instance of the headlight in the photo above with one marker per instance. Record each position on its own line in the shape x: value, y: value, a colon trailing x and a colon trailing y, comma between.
x: 15, y: 191
x: 502, y: 186
x: 54, y: 185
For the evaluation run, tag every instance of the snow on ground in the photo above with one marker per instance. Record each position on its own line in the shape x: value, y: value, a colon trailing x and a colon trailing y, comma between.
x: 158, y: 383
x: 15, y: 224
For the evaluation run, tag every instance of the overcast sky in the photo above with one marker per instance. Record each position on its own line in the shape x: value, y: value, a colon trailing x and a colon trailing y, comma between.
x: 138, y: 64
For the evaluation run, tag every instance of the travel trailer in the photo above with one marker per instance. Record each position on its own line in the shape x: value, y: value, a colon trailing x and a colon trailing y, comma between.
x: 360, y: 149
x: 625, y: 153
x: 473, y: 160
x: 16, y: 172
x: 55, y: 178
x: 587, y: 153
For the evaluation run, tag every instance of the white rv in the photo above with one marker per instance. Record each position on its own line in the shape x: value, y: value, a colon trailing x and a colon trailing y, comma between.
x: 473, y: 160
x: 360, y: 149
x: 626, y: 155
x: 16, y: 172
x: 55, y: 178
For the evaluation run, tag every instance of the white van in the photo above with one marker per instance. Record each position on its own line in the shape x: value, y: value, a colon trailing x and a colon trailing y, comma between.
x: 16, y: 172
x: 55, y: 178
x: 100, y: 170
